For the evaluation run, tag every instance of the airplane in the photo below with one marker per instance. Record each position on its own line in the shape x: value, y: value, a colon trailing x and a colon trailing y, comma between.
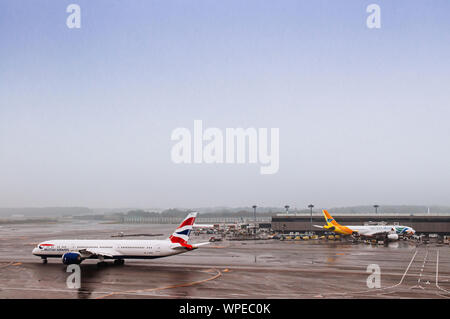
x: 75, y: 251
x: 386, y: 232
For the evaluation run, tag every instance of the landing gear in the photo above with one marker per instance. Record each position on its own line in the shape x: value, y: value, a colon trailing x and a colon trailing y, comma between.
x: 119, y: 262
x: 44, y: 261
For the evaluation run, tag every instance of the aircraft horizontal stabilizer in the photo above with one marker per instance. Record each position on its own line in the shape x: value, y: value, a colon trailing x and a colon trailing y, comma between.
x: 201, y: 244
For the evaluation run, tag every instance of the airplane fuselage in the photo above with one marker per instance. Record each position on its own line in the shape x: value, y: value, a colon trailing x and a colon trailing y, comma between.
x: 366, y: 229
x: 369, y: 230
x: 139, y: 249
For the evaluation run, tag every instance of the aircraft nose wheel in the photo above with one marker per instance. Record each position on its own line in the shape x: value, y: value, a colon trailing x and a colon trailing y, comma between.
x: 119, y: 262
x: 44, y: 260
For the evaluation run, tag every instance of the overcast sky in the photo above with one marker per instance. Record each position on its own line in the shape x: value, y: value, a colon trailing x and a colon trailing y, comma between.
x: 86, y: 115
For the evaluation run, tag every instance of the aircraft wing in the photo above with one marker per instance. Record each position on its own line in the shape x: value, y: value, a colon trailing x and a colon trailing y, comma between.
x: 330, y: 228
x: 105, y: 252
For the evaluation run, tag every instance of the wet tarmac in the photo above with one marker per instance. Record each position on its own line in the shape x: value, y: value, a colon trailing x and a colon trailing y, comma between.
x: 229, y: 269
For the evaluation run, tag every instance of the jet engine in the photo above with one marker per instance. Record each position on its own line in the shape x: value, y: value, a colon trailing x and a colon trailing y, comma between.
x: 71, y: 258
x: 392, y: 237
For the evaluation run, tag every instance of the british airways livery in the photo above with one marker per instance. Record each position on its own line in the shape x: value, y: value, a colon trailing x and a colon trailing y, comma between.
x: 75, y: 251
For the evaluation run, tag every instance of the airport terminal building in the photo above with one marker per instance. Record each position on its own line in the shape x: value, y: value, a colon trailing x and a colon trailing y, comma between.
x: 423, y: 224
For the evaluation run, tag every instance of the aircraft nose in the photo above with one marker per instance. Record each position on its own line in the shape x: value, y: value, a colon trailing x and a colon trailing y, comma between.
x: 35, y: 251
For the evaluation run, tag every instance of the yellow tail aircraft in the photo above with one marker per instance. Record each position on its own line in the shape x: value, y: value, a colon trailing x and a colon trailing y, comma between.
x: 391, y: 232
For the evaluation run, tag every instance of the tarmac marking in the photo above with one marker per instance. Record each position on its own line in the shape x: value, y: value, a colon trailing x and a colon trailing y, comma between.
x: 378, y: 289
x: 217, y: 275
x: 437, y: 275
x: 406, y: 271
x: 421, y: 272
x: 436, y: 281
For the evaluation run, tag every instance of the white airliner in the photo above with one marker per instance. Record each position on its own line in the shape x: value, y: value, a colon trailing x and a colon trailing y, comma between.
x: 75, y: 251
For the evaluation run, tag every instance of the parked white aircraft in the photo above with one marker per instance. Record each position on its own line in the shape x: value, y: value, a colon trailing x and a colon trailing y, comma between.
x: 75, y: 251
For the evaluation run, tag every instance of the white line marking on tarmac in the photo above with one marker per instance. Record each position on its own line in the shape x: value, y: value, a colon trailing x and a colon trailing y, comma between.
x: 421, y: 272
x: 437, y: 275
x: 377, y: 289
x: 406, y: 271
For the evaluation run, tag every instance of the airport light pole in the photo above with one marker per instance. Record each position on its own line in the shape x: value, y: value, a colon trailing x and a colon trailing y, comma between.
x: 376, y: 208
x: 310, y: 208
x: 254, y: 218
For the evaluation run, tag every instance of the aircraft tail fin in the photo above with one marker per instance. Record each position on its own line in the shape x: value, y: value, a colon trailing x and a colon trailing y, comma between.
x: 181, y: 234
x: 329, y: 219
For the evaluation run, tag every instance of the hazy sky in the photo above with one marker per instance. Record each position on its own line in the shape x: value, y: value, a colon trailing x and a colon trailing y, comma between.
x: 86, y: 115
